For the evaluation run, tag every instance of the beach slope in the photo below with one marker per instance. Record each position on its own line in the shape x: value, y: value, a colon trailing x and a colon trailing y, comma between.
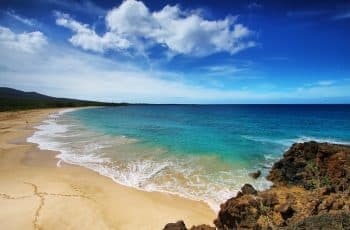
x: 36, y: 194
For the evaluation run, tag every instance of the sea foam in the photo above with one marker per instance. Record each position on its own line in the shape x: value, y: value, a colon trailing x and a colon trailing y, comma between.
x: 186, y: 176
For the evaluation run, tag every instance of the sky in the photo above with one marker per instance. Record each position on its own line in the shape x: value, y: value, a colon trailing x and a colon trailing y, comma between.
x: 210, y: 52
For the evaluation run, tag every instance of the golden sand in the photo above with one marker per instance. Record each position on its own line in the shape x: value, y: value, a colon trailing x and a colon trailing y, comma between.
x: 36, y: 194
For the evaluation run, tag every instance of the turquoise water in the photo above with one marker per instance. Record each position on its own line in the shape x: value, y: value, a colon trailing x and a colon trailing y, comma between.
x: 235, y: 133
x: 202, y: 152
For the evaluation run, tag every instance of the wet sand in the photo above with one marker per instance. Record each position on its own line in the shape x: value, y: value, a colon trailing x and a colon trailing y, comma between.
x: 36, y: 194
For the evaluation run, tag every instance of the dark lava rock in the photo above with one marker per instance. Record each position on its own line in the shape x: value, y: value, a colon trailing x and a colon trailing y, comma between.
x: 241, y: 211
x: 312, y: 179
x: 329, y: 221
x: 248, y: 189
x: 180, y: 225
x: 269, y: 199
x: 314, y: 165
x: 256, y: 174
x: 286, y: 211
x: 203, y: 227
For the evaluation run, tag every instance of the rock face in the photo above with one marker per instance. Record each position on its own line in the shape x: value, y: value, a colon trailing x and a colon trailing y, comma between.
x: 180, y: 225
x: 311, y: 191
x: 311, y: 186
x: 314, y: 165
x: 282, y: 207
x: 203, y: 227
x: 339, y: 220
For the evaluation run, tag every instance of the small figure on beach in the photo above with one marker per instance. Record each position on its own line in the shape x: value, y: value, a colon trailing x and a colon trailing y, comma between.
x: 27, y: 124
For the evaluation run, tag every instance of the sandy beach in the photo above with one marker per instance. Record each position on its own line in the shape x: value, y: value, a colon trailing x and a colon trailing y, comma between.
x: 36, y: 194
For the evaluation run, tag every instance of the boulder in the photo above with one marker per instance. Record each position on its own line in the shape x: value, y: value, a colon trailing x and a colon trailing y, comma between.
x: 242, y: 211
x: 248, y: 189
x: 179, y: 225
x: 255, y: 175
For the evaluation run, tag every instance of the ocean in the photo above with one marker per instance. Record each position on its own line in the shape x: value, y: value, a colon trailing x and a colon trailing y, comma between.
x: 201, y: 152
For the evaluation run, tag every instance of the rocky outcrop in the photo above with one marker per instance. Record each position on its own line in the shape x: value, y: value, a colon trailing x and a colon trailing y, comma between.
x: 311, y: 191
x: 180, y: 225
x: 314, y: 165
x: 279, y: 207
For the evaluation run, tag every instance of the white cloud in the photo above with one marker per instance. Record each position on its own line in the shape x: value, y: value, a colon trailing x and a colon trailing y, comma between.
x: 88, y: 39
x: 26, y: 41
x: 133, y: 26
x: 66, y: 72
x: 26, y: 21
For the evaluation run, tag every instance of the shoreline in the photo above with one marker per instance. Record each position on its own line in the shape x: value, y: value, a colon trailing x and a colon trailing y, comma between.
x: 37, y: 193
x: 61, y: 161
x: 53, y: 133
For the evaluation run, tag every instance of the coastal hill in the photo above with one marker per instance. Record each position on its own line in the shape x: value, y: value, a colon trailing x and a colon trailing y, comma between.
x: 311, y: 190
x: 12, y: 99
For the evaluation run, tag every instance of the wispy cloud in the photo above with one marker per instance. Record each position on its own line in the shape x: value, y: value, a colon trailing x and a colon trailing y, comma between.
x: 133, y: 26
x: 321, y: 83
x: 83, y: 6
x: 325, y: 83
x: 254, y: 5
x: 306, y: 13
x: 220, y: 70
x: 24, y: 20
x: 342, y: 16
x: 321, y: 92
x: 328, y: 14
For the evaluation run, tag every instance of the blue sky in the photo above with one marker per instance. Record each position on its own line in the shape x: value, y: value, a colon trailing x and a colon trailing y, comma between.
x: 178, y: 51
